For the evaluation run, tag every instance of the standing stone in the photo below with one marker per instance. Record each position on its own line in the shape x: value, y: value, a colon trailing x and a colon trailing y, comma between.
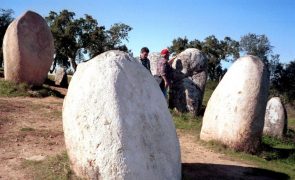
x: 28, y: 49
x: 275, y: 122
x: 190, y: 76
x: 154, y: 57
x: 190, y: 62
x: 235, y: 112
x: 117, y: 124
x: 187, y: 96
x: 61, y: 78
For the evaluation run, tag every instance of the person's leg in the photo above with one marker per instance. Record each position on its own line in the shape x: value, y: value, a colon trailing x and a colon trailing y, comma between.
x: 162, y: 86
x: 164, y: 90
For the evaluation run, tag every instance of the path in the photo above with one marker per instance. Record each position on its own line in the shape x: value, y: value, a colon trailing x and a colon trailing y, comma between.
x: 31, y: 128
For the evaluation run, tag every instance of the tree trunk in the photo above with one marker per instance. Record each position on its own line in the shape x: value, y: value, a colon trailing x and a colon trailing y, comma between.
x: 53, y: 66
x: 73, y: 63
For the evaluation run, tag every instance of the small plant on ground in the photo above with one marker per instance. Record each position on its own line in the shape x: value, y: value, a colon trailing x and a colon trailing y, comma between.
x: 11, y: 89
x: 27, y: 129
x: 57, y: 167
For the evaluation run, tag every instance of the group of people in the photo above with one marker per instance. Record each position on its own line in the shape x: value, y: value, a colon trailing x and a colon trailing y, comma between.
x: 164, y: 68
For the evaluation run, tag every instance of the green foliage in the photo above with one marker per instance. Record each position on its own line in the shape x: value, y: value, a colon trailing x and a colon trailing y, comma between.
x: 5, y: 19
x: 186, y: 121
x: 210, y: 87
x: 10, y: 89
x: 27, y: 129
x: 74, y: 38
x: 52, y: 168
x: 179, y: 45
x: 283, y: 81
x: 291, y: 122
x: 257, y: 45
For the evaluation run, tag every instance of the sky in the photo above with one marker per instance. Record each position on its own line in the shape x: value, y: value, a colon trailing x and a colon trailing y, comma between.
x: 156, y: 23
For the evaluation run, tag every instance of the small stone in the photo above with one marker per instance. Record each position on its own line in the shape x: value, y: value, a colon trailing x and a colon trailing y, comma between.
x: 36, y: 158
x: 275, y: 121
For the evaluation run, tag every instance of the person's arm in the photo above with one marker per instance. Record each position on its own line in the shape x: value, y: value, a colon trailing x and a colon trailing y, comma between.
x: 170, y: 62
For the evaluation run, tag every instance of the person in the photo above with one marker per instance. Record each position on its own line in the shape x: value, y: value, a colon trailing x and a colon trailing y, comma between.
x: 144, y: 52
x: 164, y: 71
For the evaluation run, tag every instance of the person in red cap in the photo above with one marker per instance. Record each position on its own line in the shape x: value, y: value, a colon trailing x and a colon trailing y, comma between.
x: 164, y: 71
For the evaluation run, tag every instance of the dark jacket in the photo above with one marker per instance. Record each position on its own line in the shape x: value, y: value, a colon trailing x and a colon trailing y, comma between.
x: 146, y: 63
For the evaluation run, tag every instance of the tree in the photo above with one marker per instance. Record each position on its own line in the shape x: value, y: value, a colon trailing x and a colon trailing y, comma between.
x: 116, y: 34
x: 75, y: 38
x: 283, y: 80
x: 179, y: 45
x: 273, y: 64
x: 5, y: 19
x: 217, y: 51
x: 288, y: 79
x: 257, y: 45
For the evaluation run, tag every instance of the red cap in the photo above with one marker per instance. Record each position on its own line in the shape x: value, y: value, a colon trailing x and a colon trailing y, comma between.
x: 165, y: 51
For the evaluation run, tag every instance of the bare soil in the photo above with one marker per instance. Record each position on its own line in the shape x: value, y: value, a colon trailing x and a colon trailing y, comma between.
x: 31, y: 128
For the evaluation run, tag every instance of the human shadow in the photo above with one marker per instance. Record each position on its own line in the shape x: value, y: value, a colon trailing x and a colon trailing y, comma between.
x: 42, y: 91
x: 220, y: 171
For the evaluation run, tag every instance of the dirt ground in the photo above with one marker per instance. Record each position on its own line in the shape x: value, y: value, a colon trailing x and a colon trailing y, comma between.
x: 31, y: 128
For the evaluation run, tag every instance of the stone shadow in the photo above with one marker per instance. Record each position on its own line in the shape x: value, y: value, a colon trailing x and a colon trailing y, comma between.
x: 220, y: 171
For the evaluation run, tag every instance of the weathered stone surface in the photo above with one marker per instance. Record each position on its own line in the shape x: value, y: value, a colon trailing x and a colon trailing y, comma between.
x: 275, y: 122
x: 185, y: 96
x: 61, y: 78
x: 190, y: 62
x: 190, y: 76
x: 28, y: 49
x: 154, y: 57
x: 235, y: 112
x: 200, y: 80
x: 117, y: 124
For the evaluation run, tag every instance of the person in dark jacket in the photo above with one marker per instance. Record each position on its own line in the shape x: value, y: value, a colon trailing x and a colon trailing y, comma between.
x: 144, y: 52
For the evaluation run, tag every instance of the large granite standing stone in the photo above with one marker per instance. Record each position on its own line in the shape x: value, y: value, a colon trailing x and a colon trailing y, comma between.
x: 275, y: 122
x: 235, y: 112
x: 61, y: 78
x: 28, y: 49
x: 117, y: 124
x: 190, y: 76
x: 154, y: 57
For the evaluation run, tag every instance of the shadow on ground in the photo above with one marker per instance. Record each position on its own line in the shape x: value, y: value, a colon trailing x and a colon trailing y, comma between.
x: 219, y: 171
